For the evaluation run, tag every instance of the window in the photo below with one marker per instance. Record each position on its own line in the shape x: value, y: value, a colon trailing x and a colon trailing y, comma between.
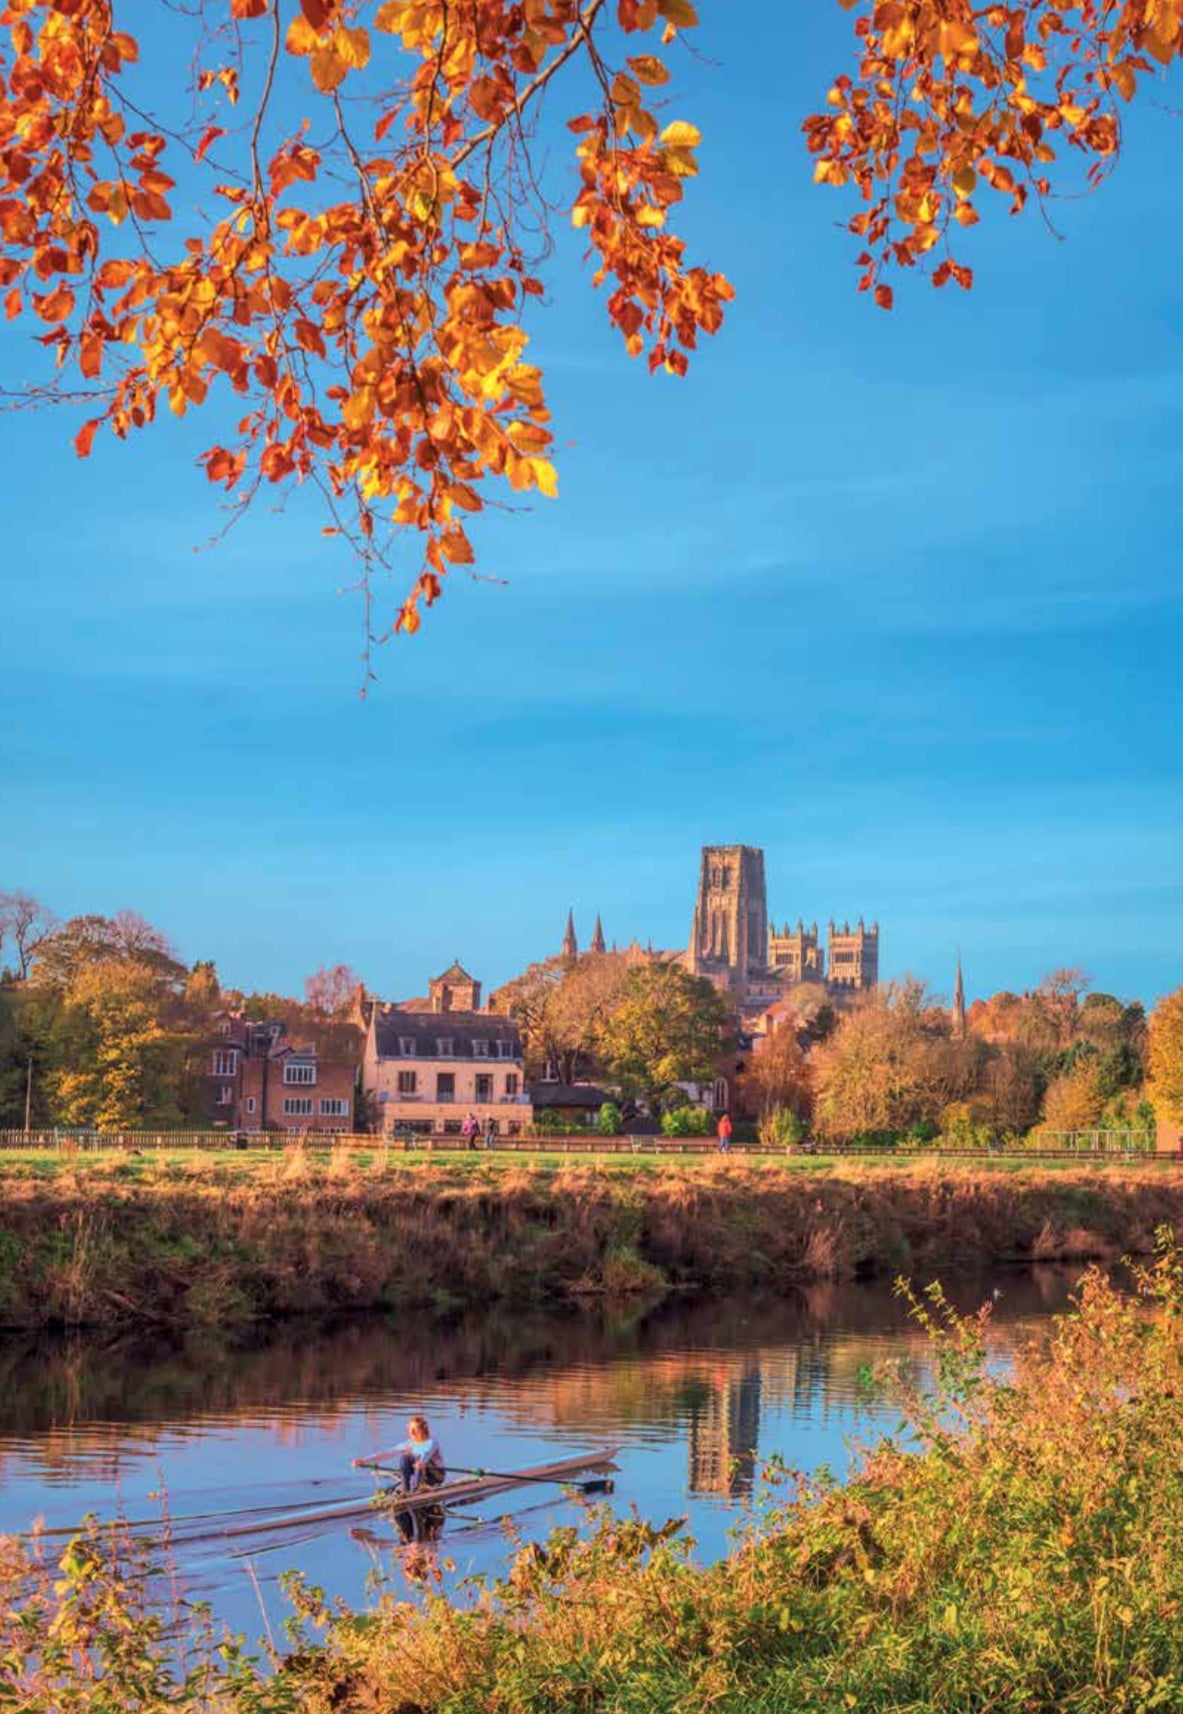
x: 224, y: 1027
x: 445, y: 1086
x: 333, y: 1108
x: 301, y: 1071
x: 406, y: 1045
x: 451, y: 1127
x: 512, y: 1082
x: 480, y: 1048
x: 408, y: 1082
x: 505, y: 1050
x: 444, y: 1047
x: 250, y: 1103
x: 297, y: 1106
x: 225, y: 1061
x: 225, y: 1095
x: 484, y: 1086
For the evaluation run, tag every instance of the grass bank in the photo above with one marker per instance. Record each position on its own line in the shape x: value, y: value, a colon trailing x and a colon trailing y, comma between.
x: 1020, y: 1550
x: 213, y: 1239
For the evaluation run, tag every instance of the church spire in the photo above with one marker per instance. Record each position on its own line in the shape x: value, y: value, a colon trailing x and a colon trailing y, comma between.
x: 959, y: 1002
x: 570, y: 944
x: 597, y: 940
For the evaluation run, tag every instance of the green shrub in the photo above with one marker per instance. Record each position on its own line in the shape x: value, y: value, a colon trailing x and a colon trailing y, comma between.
x: 781, y: 1128
x: 687, y: 1122
x: 609, y: 1120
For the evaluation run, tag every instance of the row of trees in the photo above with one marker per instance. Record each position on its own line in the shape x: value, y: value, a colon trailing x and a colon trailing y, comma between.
x: 102, y: 1024
x: 898, y: 1063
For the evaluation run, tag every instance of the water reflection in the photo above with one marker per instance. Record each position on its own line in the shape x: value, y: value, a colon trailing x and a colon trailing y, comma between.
x: 696, y: 1394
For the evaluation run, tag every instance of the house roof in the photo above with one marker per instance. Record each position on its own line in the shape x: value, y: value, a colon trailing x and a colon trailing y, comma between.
x: 455, y: 973
x: 570, y: 1095
x: 427, y: 1029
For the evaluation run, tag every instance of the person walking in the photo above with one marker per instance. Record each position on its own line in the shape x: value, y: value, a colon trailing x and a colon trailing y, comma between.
x: 469, y: 1130
x: 724, y: 1134
x: 490, y: 1133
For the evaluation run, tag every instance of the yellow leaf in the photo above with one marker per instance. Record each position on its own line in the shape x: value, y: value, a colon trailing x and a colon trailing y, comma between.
x: 301, y: 37
x: 679, y: 12
x: 546, y: 477
x: 680, y: 134
x: 358, y: 409
x: 965, y: 181
x: 353, y: 46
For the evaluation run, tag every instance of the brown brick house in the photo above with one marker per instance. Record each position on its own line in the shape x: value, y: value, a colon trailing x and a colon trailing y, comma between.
x: 255, y: 1081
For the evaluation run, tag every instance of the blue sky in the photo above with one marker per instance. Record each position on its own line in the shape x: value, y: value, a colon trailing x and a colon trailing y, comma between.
x: 893, y: 596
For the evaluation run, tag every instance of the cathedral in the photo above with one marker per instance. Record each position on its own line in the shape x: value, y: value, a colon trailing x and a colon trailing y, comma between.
x: 733, y: 944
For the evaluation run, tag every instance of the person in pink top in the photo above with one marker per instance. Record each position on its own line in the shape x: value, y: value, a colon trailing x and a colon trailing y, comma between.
x: 724, y: 1133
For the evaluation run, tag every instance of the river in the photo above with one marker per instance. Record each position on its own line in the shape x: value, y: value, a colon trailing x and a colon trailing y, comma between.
x: 696, y: 1394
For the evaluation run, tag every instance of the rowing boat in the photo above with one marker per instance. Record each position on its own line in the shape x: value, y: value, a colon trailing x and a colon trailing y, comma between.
x: 273, y: 1520
x: 483, y: 1486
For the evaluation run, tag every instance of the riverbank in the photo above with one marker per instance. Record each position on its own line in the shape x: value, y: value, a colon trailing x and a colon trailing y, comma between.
x: 212, y: 1240
x: 1025, y: 1552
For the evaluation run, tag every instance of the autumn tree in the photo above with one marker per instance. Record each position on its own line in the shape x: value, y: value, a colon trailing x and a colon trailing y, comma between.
x: 124, y: 1050
x: 777, y: 1075
x: 562, y: 1005
x: 891, y: 1065
x: 25, y: 924
x: 339, y: 224
x: 667, y: 1028
x: 85, y: 941
x: 1075, y: 1100
x: 1165, y: 1056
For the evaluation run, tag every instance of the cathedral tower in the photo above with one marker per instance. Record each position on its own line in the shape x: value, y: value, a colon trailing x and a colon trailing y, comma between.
x: 729, y: 939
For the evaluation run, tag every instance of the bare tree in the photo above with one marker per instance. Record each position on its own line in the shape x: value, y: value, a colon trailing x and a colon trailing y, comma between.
x: 130, y: 935
x: 330, y: 989
x: 26, y: 923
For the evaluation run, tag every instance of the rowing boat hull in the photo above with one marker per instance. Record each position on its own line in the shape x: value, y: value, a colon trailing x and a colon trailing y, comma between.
x: 481, y: 1487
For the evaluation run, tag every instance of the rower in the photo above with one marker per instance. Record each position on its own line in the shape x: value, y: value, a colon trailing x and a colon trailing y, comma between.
x: 420, y: 1457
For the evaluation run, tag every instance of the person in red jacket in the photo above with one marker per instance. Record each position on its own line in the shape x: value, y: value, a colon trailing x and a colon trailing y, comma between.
x: 724, y: 1133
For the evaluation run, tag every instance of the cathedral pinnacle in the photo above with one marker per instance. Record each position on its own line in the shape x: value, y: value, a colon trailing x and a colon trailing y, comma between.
x: 597, y: 940
x: 570, y: 944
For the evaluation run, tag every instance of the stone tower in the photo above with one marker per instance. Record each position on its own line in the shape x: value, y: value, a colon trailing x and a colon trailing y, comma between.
x: 597, y: 939
x: 854, y: 956
x: 729, y: 939
x: 455, y: 991
x: 570, y: 944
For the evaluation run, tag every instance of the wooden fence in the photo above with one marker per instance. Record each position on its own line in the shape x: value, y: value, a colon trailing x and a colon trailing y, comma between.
x: 1110, y: 1144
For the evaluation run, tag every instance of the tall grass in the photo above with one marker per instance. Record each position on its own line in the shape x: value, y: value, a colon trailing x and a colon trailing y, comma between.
x: 1017, y: 1547
x: 164, y: 1242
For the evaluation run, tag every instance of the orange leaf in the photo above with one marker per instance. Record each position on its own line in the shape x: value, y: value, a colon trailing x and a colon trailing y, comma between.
x: 328, y: 69
x: 55, y: 305
x: 84, y: 439
x: 883, y: 297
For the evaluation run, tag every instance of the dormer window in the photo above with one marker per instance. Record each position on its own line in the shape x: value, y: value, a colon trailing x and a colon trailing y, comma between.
x: 224, y: 1027
x: 406, y: 1045
x: 303, y: 1071
x: 504, y: 1050
x: 480, y: 1048
x: 445, y: 1047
